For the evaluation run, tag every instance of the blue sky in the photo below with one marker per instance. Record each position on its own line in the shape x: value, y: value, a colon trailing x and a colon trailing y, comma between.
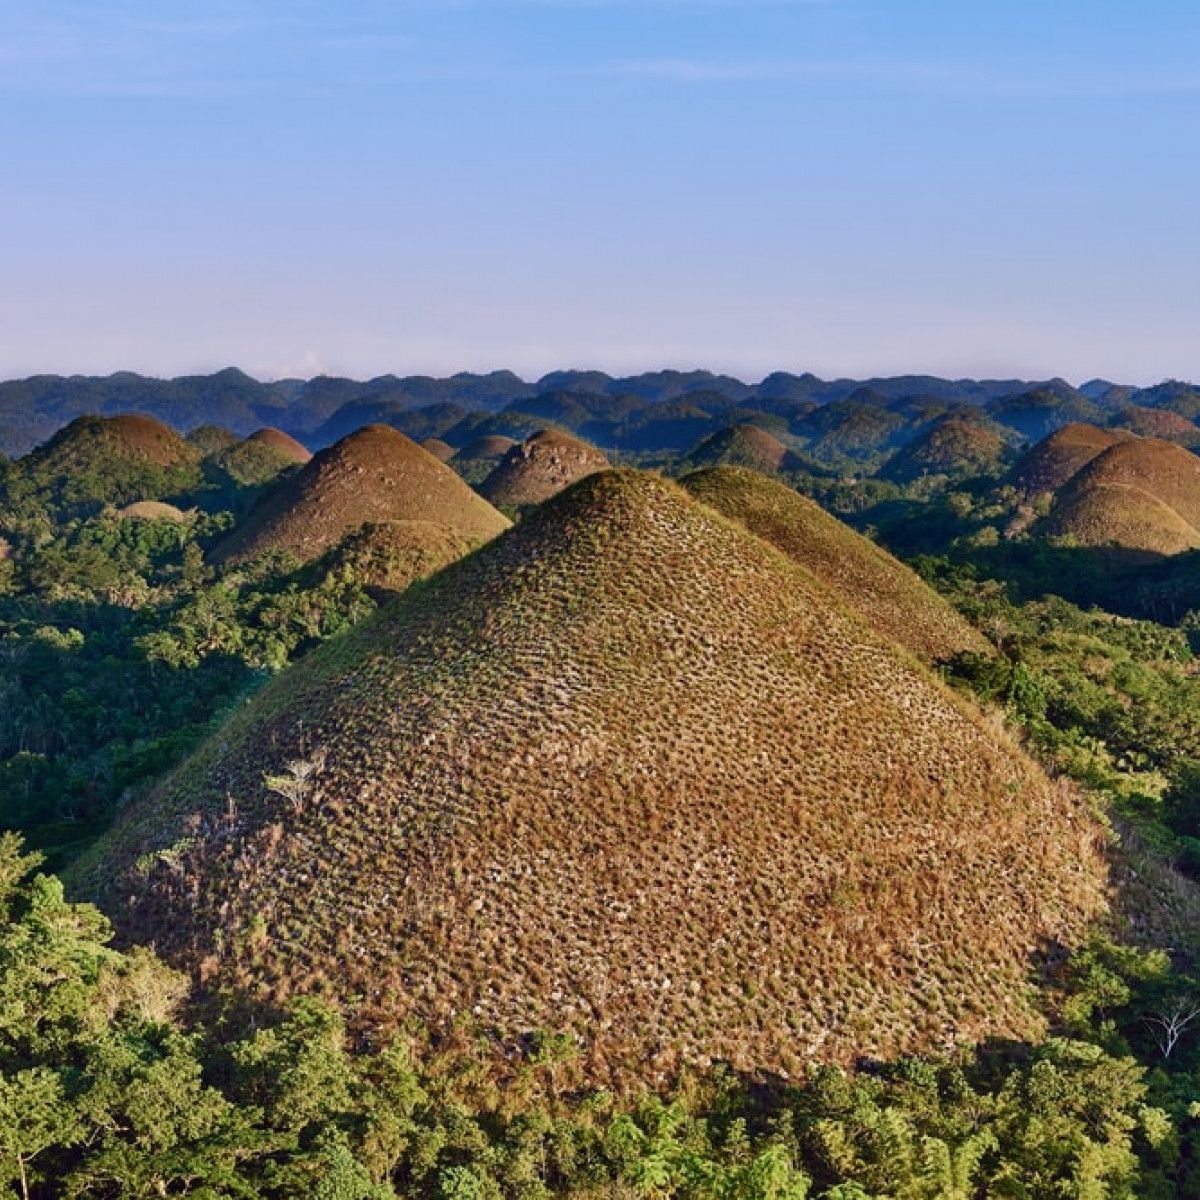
x: 844, y: 186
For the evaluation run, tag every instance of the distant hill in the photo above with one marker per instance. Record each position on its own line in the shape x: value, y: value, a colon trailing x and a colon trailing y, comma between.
x: 1039, y: 412
x: 258, y: 459
x: 541, y: 467
x: 887, y: 595
x: 105, y: 460
x: 374, y: 475
x: 741, y: 446
x: 1054, y: 461
x: 479, y: 458
x: 654, y: 412
x: 1140, y: 494
x: 1159, y: 423
x: 951, y: 446
x: 440, y: 450
x: 627, y: 772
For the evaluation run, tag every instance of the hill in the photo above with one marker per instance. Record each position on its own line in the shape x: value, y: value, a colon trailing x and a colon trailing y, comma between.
x: 1157, y: 423
x: 885, y: 593
x: 374, y: 475
x: 388, y: 557
x: 105, y: 460
x: 627, y: 772
x: 540, y: 467
x: 440, y: 450
x: 151, y: 510
x: 256, y: 460
x: 951, y: 446
x: 1037, y: 413
x: 741, y: 446
x: 1141, y: 494
x: 1058, y: 458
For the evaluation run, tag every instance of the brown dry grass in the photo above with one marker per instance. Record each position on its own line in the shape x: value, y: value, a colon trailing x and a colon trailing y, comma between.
x: 282, y: 443
x: 152, y: 510
x: 1158, y: 423
x: 540, y: 467
x: 375, y: 474
x: 884, y: 592
x: 440, y: 450
x: 1142, y: 494
x: 1055, y: 460
x: 627, y: 771
x: 89, y: 441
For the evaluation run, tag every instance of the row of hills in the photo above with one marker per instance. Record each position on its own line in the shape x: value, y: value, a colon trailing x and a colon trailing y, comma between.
x: 659, y: 411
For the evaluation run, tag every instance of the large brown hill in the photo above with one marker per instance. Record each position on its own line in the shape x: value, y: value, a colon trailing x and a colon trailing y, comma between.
x: 375, y: 474
x: 889, y: 596
x: 1141, y: 495
x: 1049, y: 465
x: 540, y: 467
x: 629, y: 772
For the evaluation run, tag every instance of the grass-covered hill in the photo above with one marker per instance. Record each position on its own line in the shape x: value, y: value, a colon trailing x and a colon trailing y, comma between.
x: 887, y: 595
x: 954, y: 446
x: 256, y: 460
x: 1157, y: 423
x: 540, y: 467
x: 1055, y: 460
x: 632, y: 773
x: 374, y: 475
x: 1142, y: 494
x: 440, y: 450
x: 742, y: 445
x: 102, y: 460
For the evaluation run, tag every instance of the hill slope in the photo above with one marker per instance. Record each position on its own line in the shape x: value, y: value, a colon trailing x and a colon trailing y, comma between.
x: 891, y: 598
x: 108, y: 460
x: 1056, y: 459
x: 376, y: 474
x: 952, y: 446
x: 1142, y: 494
x: 630, y: 772
x: 741, y: 446
x: 540, y: 467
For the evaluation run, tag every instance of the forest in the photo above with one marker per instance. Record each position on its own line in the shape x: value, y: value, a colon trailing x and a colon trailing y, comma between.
x: 124, y: 645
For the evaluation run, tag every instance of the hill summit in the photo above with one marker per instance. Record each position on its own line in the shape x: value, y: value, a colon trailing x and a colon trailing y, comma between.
x: 743, y: 445
x: 1141, y: 494
x: 1056, y: 459
x: 376, y: 474
x: 540, y: 467
x: 629, y: 772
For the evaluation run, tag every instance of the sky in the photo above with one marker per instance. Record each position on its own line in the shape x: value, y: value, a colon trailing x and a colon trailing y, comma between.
x: 850, y: 187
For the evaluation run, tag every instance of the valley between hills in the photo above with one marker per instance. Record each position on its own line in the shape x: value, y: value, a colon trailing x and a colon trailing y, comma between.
x: 659, y: 786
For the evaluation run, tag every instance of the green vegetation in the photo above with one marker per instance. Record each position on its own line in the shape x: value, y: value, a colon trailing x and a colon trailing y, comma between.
x: 649, y: 683
x: 110, y: 1088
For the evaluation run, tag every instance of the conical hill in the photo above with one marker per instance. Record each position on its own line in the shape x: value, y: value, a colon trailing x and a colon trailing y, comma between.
x: 376, y: 474
x: 889, y: 596
x: 1056, y: 459
x: 540, y: 467
x: 628, y: 772
x: 1142, y: 494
